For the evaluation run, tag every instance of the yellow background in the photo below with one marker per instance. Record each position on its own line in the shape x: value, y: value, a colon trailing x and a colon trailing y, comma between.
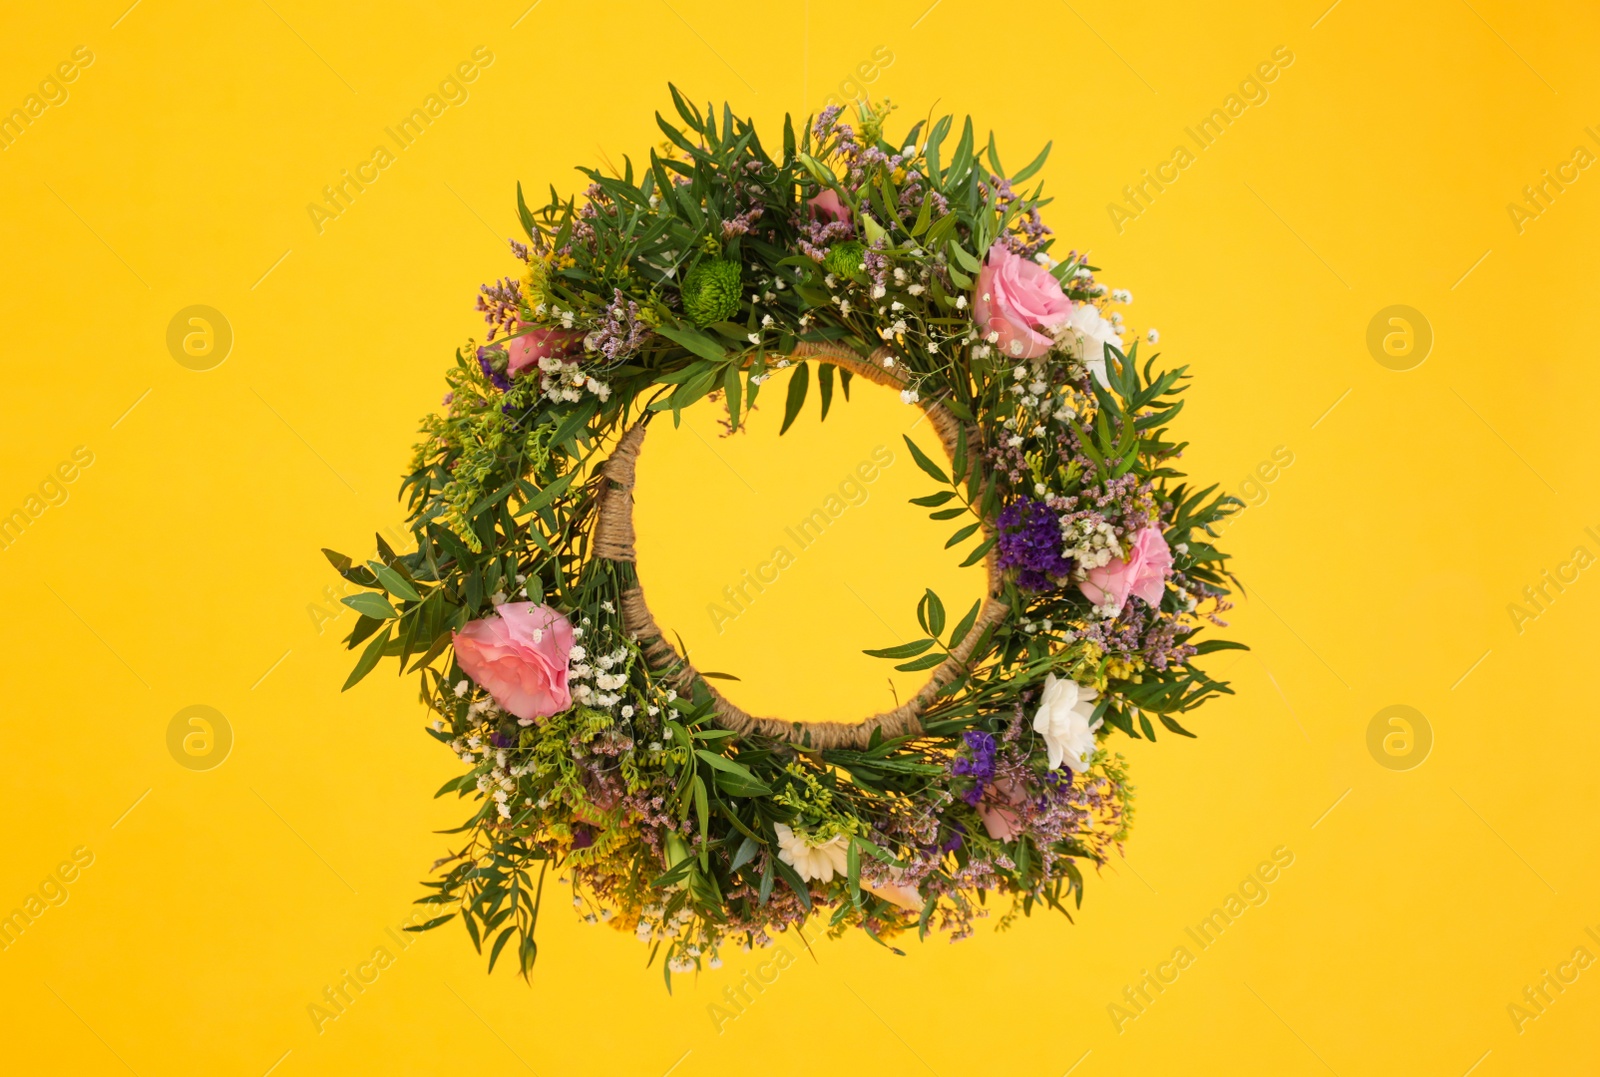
x: 183, y: 569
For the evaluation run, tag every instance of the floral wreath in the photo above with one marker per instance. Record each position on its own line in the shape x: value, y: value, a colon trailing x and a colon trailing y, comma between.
x: 594, y: 748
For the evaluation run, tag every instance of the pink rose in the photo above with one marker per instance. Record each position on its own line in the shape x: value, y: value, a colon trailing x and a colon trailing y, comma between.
x: 1144, y: 573
x: 827, y: 204
x: 520, y: 657
x: 526, y: 350
x: 1015, y: 298
x: 999, y: 820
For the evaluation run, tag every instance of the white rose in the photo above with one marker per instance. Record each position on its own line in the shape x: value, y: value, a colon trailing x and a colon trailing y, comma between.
x: 819, y: 862
x: 1094, y: 333
x: 1063, y: 721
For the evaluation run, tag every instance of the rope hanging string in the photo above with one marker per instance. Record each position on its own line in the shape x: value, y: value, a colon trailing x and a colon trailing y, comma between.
x: 614, y: 540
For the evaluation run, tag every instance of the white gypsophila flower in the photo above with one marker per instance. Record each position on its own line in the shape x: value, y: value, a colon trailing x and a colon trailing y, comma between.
x: 461, y: 687
x: 812, y: 861
x: 1063, y: 720
x: 578, y: 654
x: 909, y: 396
x: 1153, y: 335
x: 1090, y: 545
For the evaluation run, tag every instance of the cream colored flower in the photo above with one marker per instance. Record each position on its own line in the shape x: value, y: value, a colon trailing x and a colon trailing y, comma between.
x: 1065, y: 709
x: 812, y: 860
x: 895, y: 890
x: 1093, y: 333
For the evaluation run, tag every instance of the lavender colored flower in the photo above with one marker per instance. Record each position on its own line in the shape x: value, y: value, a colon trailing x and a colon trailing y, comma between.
x: 486, y: 357
x: 979, y: 765
x: 500, y: 304
x: 1029, y: 539
x: 622, y: 331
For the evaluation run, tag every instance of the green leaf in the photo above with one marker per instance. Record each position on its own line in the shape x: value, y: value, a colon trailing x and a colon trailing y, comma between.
x: 1210, y: 645
x: 1174, y: 726
x: 499, y: 944
x: 547, y: 495
x: 796, y: 884
x: 964, y: 625
x: 825, y: 386
x: 722, y: 762
x: 730, y: 389
x: 921, y: 224
x: 702, y: 808
x: 904, y: 650
x: 930, y: 614
x: 369, y: 658
x: 1034, y: 165
x: 746, y: 853
x: 978, y: 554
x: 522, y: 213
x: 924, y: 462
x: 927, y: 661
x: 962, y: 535
x: 966, y: 261
x: 799, y: 381
x: 695, y: 341
x: 933, y: 500
x: 372, y: 605
x: 396, y: 584
x: 734, y: 785
x: 429, y: 925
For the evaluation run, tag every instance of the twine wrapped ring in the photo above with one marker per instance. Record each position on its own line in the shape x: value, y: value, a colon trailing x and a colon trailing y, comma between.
x: 614, y: 540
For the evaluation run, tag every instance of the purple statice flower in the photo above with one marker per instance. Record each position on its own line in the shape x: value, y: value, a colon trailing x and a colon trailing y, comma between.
x: 743, y: 223
x: 817, y: 235
x: 486, y: 357
x: 621, y: 331
x: 877, y: 264
x: 979, y: 765
x: 520, y: 250
x: 582, y: 836
x: 1029, y: 536
x: 826, y: 121
x: 500, y: 740
x: 500, y: 303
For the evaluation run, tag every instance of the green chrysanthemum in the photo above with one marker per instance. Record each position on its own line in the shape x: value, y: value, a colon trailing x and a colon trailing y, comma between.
x: 711, y: 291
x: 845, y: 260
